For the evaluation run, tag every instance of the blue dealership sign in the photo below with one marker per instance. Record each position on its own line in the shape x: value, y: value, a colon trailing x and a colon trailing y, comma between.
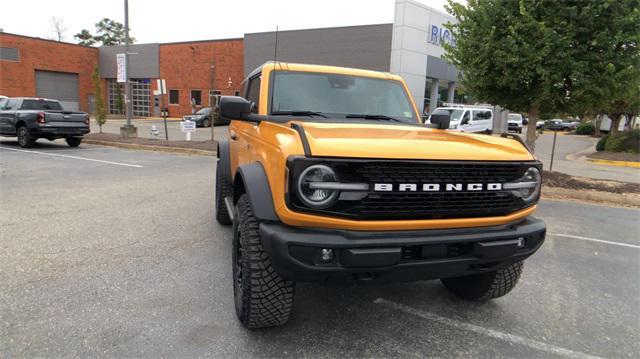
x: 439, y: 35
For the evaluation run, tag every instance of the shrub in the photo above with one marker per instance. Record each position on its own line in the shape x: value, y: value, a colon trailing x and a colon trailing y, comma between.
x: 624, y: 142
x: 586, y: 129
x: 601, y: 143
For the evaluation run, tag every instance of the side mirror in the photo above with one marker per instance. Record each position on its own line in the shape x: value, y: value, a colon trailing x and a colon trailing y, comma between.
x: 441, y: 119
x: 234, y: 108
x: 465, y: 121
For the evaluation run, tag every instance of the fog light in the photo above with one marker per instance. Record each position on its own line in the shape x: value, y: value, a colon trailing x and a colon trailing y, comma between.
x: 327, y: 255
x: 522, y: 242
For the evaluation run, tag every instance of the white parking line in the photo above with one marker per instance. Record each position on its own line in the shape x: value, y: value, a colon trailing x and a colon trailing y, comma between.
x: 511, y: 338
x: 595, y: 240
x: 72, y: 157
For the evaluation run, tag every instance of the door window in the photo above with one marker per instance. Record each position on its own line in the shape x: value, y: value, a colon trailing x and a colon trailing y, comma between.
x: 465, y: 118
x: 253, y: 91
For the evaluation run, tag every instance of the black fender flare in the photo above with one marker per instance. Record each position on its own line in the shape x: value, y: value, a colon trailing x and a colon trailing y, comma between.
x: 256, y: 185
x: 224, y: 160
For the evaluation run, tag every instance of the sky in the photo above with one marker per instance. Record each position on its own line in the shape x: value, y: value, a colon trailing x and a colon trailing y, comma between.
x: 185, y: 20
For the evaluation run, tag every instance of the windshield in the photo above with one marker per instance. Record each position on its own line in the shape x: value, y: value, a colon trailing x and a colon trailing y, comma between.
x: 204, y: 111
x: 41, y: 105
x: 514, y: 117
x: 341, y: 95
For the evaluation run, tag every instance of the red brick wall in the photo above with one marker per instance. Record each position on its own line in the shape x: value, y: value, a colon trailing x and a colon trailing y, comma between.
x: 187, y: 66
x: 19, y: 79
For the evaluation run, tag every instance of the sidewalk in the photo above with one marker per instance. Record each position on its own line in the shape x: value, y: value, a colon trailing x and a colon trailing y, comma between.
x: 570, y: 158
x: 173, y: 126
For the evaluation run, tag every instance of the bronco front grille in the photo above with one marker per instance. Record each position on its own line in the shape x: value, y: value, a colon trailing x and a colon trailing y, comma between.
x: 396, y: 205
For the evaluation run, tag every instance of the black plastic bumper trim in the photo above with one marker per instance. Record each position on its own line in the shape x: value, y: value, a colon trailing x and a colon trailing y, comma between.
x: 294, y: 251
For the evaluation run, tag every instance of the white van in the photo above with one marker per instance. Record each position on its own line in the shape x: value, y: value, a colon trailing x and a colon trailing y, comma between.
x: 469, y: 118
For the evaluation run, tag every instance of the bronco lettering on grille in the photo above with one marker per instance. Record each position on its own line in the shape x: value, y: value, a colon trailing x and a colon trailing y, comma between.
x: 436, y: 187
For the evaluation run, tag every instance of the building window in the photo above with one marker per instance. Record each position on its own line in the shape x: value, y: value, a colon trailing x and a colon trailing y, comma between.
x: 196, y: 97
x: 174, y: 97
x: 213, y: 93
x: 116, y: 97
x: 237, y: 93
x: 140, y: 97
x: 9, y: 54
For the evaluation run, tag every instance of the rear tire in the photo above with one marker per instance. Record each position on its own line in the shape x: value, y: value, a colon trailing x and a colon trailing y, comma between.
x: 25, y: 138
x: 262, y: 298
x: 73, y: 141
x: 485, y: 286
x: 206, y: 123
x: 223, y: 189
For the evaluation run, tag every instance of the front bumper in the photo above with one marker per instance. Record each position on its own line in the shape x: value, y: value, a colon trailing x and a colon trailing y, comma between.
x: 398, y: 255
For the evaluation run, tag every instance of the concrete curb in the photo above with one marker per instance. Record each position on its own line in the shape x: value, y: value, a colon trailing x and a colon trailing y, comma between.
x: 133, y: 146
x: 614, y: 163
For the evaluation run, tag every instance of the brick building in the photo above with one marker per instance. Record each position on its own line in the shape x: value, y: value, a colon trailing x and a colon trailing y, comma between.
x: 192, y: 70
x: 38, y: 67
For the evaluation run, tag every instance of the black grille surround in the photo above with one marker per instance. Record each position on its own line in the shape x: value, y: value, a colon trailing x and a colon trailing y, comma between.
x: 408, y: 205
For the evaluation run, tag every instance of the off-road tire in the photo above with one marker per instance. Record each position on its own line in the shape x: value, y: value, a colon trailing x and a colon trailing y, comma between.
x: 223, y: 189
x: 485, y: 286
x: 73, y: 141
x: 25, y: 138
x: 262, y: 298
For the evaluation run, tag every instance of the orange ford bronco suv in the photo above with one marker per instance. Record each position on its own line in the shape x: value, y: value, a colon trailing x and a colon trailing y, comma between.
x: 328, y: 173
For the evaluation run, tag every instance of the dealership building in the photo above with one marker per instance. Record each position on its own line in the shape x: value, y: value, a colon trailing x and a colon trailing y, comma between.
x: 412, y: 47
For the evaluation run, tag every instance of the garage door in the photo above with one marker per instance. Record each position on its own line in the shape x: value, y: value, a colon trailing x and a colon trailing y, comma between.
x: 61, y: 86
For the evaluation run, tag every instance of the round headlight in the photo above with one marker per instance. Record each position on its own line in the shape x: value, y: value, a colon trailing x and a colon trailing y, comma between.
x: 526, y: 187
x: 317, y: 197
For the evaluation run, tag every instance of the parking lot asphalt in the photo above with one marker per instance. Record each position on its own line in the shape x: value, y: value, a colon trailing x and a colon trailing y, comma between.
x: 107, y: 252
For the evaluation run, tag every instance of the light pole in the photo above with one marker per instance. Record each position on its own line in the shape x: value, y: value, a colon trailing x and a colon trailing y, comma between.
x: 129, y: 130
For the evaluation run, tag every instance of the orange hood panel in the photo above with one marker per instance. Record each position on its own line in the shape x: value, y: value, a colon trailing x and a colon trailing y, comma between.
x: 408, y: 142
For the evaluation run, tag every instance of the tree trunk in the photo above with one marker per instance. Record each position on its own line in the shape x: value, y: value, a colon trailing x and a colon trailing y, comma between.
x: 534, y: 111
x: 615, y: 122
x: 100, y: 125
x: 598, y: 124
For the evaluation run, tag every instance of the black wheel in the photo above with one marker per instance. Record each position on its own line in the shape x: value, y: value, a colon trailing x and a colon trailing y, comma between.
x: 223, y: 189
x: 488, y: 131
x: 25, y: 139
x: 487, y: 285
x: 206, y: 123
x: 262, y: 298
x: 73, y: 141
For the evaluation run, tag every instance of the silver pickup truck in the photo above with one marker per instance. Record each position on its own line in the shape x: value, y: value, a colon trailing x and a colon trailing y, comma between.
x: 33, y: 118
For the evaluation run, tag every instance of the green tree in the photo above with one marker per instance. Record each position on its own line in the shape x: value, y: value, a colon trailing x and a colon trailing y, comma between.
x: 516, y: 54
x: 119, y: 99
x: 85, y: 38
x: 99, y: 112
x: 108, y: 32
x: 607, y: 72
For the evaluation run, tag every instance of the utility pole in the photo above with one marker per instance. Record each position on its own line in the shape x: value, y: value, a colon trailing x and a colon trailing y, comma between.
x: 213, y: 100
x: 129, y: 130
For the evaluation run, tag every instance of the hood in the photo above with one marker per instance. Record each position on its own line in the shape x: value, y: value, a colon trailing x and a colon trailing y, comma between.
x: 408, y: 142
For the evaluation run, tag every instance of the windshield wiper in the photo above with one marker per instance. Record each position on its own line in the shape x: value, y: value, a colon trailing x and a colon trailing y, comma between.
x: 373, y: 117
x: 298, y: 113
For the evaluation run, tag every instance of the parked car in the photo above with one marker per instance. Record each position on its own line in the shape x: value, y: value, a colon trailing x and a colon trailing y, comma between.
x: 478, y: 119
x: 562, y: 125
x: 32, y: 118
x: 540, y: 125
x: 204, y: 118
x: 515, y: 121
